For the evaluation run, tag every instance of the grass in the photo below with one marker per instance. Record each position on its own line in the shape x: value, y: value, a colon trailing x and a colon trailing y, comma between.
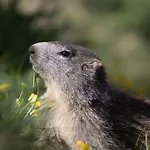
x: 18, y: 115
x: 146, y: 142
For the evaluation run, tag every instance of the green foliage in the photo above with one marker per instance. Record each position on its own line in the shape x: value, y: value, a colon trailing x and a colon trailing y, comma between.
x: 17, y: 127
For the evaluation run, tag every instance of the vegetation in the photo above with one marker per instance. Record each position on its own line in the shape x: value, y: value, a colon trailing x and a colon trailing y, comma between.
x: 118, y: 30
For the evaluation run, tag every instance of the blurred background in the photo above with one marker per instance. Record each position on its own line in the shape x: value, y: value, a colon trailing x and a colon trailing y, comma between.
x: 118, y: 30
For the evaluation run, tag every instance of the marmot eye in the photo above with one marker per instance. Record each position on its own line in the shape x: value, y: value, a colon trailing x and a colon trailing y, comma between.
x: 65, y: 53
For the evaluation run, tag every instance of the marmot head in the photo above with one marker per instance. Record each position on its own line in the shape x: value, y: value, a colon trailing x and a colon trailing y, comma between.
x: 65, y: 63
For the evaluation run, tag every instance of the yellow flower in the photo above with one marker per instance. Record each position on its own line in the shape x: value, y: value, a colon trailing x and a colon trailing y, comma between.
x: 82, y: 145
x: 32, y: 98
x: 37, y: 104
x: 33, y: 113
x: 4, y: 86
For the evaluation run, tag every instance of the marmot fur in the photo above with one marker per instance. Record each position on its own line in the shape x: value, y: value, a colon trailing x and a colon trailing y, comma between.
x: 83, y: 105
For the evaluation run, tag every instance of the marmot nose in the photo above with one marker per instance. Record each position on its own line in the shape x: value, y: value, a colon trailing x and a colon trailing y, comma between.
x: 38, y: 48
x: 32, y: 50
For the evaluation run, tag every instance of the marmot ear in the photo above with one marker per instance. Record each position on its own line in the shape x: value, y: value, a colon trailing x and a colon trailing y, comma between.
x: 92, y: 66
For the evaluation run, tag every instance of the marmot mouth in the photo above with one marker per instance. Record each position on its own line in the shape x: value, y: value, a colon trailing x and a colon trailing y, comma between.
x: 35, y: 66
x: 32, y: 60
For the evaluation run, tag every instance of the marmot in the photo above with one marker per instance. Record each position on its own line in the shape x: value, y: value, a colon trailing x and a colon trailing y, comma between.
x: 83, y: 105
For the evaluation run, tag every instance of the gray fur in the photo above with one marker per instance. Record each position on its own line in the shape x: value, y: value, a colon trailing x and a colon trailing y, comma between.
x: 79, y: 100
